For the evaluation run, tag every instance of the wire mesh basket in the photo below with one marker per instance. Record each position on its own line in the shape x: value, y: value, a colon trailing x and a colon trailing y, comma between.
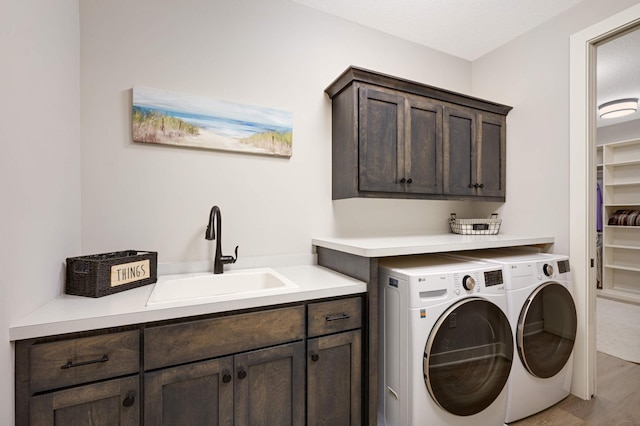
x: 490, y: 226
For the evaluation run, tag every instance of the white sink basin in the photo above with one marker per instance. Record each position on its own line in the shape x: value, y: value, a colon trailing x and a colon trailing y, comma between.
x: 207, y: 287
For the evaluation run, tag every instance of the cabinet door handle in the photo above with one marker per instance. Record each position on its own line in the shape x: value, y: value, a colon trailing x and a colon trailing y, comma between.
x: 130, y: 399
x: 315, y: 357
x: 338, y: 317
x: 71, y: 364
x: 409, y: 180
x: 226, y: 377
x: 481, y: 185
x: 242, y: 374
x: 403, y: 180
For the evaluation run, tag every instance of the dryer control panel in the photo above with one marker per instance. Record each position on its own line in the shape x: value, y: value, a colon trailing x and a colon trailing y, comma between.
x: 552, y: 269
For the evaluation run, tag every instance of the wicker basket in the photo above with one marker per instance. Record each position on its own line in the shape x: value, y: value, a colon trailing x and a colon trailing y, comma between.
x: 99, y: 275
x: 490, y: 226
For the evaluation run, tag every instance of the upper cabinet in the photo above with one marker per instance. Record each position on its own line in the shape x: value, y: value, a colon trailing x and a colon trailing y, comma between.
x: 395, y: 138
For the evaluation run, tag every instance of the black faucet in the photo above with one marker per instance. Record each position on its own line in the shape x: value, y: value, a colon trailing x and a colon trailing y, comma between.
x: 210, y: 235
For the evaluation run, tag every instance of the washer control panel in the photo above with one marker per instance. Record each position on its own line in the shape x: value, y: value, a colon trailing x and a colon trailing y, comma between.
x: 478, y: 281
x: 492, y: 278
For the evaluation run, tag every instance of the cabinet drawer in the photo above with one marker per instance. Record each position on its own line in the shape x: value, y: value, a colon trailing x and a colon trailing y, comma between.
x: 197, y: 340
x: 334, y: 316
x: 86, y: 359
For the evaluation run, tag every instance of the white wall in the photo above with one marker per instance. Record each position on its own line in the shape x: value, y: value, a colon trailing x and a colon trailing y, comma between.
x: 531, y: 73
x: 39, y: 164
x: 273, y: 53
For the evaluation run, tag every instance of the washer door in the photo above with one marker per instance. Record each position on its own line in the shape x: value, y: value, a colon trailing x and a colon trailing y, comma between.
x: 468, y: 356
x: 547, y: 330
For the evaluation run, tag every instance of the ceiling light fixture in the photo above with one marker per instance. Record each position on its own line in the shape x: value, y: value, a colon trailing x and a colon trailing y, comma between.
x: 618, y: 108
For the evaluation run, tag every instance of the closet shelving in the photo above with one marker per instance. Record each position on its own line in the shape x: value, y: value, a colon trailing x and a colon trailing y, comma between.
x: 621, y: 247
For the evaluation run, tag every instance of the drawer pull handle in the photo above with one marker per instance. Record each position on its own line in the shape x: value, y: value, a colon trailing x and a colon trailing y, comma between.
x: 338, y: 317
x: 71, y: 364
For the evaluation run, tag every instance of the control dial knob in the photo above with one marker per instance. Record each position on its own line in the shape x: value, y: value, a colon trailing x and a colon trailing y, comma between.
x: 547, y: 269
x: 468, y: 282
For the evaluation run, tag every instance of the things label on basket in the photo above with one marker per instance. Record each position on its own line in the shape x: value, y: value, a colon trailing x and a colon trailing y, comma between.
x: 129, y: 272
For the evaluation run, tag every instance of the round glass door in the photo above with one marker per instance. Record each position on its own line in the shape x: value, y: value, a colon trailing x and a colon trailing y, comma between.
x: 547, y: 330
x: 468, y: 356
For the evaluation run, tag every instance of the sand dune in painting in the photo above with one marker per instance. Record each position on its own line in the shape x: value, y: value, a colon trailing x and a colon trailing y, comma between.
x: 208, y: 139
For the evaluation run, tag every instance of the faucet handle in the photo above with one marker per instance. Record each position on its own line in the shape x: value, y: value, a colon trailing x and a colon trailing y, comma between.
x: 229, y: 259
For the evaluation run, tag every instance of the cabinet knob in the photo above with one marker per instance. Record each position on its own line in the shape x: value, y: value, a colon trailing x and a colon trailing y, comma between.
x: 409, y: 180
x: 481, y: 185
x: 130, y: 399
x: 315, y: 357
x: 226, y: 377
x: 403, y: 180
x: 242, y: 374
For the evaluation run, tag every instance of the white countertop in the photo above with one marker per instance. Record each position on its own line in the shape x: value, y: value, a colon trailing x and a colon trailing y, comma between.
x: 430, y: 243
x: 67, y: 314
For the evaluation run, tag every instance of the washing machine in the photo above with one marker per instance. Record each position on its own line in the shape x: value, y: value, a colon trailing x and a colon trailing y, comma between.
x: 446, y: 347
x: 542, y: 313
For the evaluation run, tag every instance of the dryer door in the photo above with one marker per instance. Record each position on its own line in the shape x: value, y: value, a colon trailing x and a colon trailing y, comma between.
x: 468, y: 356
x: 547, y: 330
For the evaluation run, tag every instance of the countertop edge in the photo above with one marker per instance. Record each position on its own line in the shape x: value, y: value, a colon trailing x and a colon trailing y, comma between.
x: 436, y: 243
x: 55, y: 318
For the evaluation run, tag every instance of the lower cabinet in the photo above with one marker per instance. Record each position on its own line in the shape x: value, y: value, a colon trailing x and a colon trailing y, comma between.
x: 334, y: 380
x: 114, y: 402
x: 293, y: 365
x: 193, y: 394
x: 269, y: 386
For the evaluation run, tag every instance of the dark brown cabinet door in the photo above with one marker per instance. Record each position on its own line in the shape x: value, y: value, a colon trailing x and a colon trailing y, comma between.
x: 114, y: 402
x: 492, y: 160
x: 460, y: 146
x: 270, y: 386
x: 423, y: 146
x: 474, y: 153
x: 400, y: 143
x: 194, y: 394
x: 334, y: 379
x: 381, y: 134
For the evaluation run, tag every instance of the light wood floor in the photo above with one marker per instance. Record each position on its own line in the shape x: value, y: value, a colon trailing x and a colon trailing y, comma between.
x: 617, y: 402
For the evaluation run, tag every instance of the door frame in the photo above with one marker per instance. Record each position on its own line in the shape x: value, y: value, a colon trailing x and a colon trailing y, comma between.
x: 582, y: 203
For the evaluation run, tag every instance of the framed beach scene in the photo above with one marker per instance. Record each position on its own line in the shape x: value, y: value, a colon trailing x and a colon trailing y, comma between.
x: 169, y: 118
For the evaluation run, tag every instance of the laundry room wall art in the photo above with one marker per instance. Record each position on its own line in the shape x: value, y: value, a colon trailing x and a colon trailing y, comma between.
x: 169, y: 118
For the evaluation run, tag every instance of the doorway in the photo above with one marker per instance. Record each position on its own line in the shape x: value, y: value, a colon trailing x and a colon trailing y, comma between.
x: 618, y: 184
x: 582, y: 216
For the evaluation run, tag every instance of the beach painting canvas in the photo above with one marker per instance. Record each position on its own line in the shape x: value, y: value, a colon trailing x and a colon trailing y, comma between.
x: 163, y: 117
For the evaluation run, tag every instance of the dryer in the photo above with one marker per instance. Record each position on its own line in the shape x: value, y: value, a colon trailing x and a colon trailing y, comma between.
x: 542, y: 313
x: 446, y: 347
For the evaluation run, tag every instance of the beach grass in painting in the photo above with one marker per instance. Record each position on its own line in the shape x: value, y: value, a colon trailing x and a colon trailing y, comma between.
x: 170, y: 118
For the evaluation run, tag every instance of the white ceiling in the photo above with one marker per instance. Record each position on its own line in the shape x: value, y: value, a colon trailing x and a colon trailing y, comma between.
x: 470, y: 29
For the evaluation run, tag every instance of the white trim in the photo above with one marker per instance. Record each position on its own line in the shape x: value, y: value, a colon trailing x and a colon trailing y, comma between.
x: 582, y: 193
